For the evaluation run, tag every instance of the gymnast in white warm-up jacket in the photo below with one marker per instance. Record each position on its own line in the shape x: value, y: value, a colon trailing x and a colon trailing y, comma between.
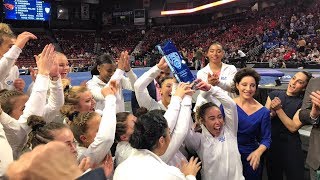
x: 17, y: 129
x: 105, y: 67
x: 145, y: 100
x: 103, y: 140
x: 6, y: 62
x: 217, y: 145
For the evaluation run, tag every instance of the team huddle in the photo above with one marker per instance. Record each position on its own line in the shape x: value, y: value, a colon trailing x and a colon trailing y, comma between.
x: 213, y: 129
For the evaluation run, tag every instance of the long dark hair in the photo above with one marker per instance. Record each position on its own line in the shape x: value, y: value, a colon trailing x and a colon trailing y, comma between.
x: 148, y: 129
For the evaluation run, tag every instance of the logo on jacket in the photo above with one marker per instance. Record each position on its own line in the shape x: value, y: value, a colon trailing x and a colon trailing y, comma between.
x: 10, y: 82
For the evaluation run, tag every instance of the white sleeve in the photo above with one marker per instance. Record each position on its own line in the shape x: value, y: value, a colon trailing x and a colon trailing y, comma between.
x: 117, y: 75
x: 191, y: 177
x: 95, y: 89
x: 172, y: 112
x: 106, y: 133
x: 227, y: 84
x: 17, y: 131
x: 181, y: 129
x: 140, y: 87
x: 128, y: 82
x: 7, y: 61
x: 55, y: 100
x: 6, y: 152
x: 193, y: 140
x: 229, y: 106
x: 15, y: 134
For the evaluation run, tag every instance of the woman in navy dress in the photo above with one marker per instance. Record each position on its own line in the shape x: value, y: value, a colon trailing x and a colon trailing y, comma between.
x: 254, y: 127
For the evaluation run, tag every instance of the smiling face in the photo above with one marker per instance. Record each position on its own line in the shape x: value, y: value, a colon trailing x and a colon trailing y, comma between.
x: 247, y: 87
x: 63, y: 65
x: 297, y: 84
x: 166, y: 89
x: 215, y: 53
x: 86, y: 102
x: 213, y: 120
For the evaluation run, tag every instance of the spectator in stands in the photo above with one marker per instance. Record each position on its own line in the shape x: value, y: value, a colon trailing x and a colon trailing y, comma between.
x: 286, y: 142
x: 254, y: 127
x: 243, y: 58
x: 107, y: 71
x: 216, y: 73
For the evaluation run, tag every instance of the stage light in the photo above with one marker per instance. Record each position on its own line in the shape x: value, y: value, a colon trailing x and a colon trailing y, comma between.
x: 199, y: 8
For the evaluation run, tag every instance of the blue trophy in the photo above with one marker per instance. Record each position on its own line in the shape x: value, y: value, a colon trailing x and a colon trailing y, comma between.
x: 175, y: 62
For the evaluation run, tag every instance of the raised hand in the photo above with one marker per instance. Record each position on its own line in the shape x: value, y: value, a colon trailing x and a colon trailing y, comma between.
x: 23, y: 38
x: 122, y: 60
x: 45, y: 61
x: 183, y: 89
x: 19, y: 84
x: 112, y: 89
x: 162, y: 64
x: 54, y: 71
x: 190, y: 168
x: 126, y: 57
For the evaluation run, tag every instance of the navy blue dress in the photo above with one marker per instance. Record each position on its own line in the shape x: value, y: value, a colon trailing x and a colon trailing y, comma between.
x: 253, y: 130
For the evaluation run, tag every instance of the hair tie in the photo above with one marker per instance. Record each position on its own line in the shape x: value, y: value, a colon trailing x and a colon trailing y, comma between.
x: 73, y: 115
x: 37, y: 126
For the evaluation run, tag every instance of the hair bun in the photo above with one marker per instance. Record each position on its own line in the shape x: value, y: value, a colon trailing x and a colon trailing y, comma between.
x: 35, y: 122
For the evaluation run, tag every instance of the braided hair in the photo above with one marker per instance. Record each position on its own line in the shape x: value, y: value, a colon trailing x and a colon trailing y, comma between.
x: 8, y: 98
x: 79, y: 125
x: 41, y: 132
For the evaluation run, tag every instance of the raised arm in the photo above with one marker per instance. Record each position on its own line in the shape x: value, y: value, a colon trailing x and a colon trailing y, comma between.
x: 107, y: 128
x: 6, y: 152
x: 140, y: 86
x: 55, y: 100
x: 180, y: 131
x: 229, y: 106
x: 17, y: 131
x: 8, y: 59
